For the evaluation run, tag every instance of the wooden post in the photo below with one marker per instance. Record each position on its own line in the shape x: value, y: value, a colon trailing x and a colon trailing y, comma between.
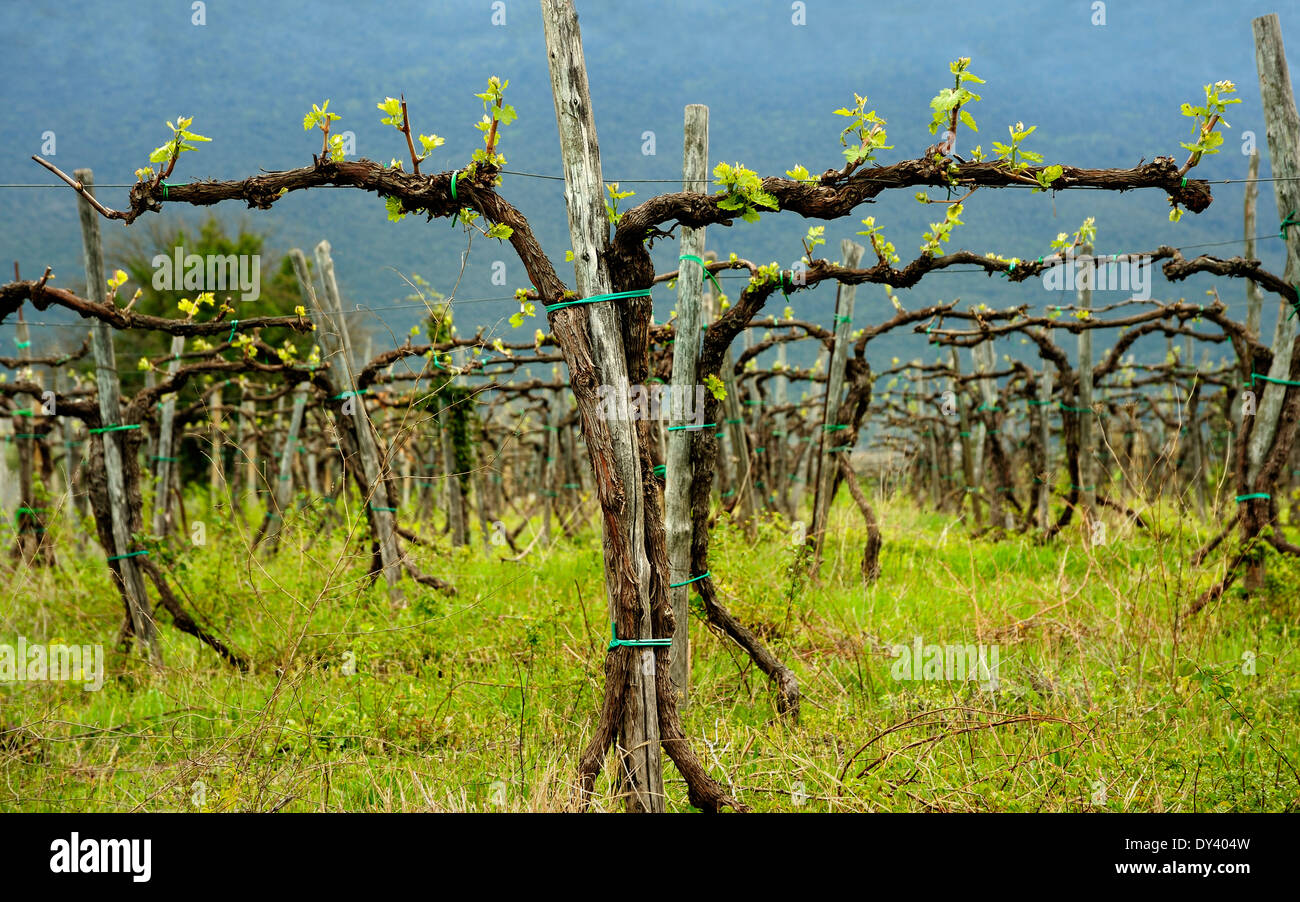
x: 1087, y: 434
x: 625, y: 556
x: 1254, y: 297
x: 162, y: 521
x: 551, y: 445
x: 782, y: 459
x: 245, y: 456
x: 833, y: 431
x: 742, y: 476
x: 450, y: 471
x: 971, y: 488
x: 282, y: 492
x: 138, y: 607
x: 686, y: 349
x: 986, y: 362
x: 931, y: 444
x: 31, y: 519
x: 337, y: 348
x: 1283, y: 128
x: 1045, y: 437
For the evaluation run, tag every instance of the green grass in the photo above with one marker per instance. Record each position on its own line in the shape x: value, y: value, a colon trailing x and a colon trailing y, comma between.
x: 1107, y: 699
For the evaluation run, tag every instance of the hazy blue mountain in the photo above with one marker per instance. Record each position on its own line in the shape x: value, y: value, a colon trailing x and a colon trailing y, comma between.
x: 105, y: 76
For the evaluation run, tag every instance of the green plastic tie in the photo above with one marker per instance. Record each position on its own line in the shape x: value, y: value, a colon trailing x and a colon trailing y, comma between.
x: 22, y: 344
x: 1241, y: 498
x: 615, y: 641
x: 614, y: 296
x: 1286, y: 223
x: 1263, y: 378
x: 707, y: 274
x: 233, y: 324
x: 169, y: 459
x: 118, y: 557
x: 701, y: 426
x: 390, y: 510
x: 113, y: 428
x: 453, y: 185
x: 687, y: 582
x: 348, y: 394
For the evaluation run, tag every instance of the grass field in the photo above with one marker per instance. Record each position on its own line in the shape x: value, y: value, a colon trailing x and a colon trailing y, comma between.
x: 1106, y: 699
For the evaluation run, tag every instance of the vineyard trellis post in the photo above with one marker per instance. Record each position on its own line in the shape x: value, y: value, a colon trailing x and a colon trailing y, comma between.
x: 828, y: 442
x: 162, y: 521
x: 1282, y: 126
x: 218, y: 449
x: 337, y: 346
x: 1088, y: 469
x: 139, y: 611
x: 611, y: 440
x: 742, y: 471
x: 686, y: 348
x: 985, y: 360
x: 971, y: 488
x: 30, y: 521
x: 1044, y: 479
x: 281, y: 493
x: 451, y: 477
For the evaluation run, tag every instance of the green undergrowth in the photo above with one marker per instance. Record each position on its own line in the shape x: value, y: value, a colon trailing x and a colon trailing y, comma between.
x: 1107, y: 697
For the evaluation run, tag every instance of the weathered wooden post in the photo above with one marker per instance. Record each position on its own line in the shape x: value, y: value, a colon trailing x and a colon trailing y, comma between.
x: 986, y: 362
x: 627, y: 567
x: 216, y: 468
x: 830, y: 441
x: 1087, y: 435
x: 1282, y: 124
x: 71, y: 458
x: 139, y: 610
x: 686, y: 350
x: 30, y: 518
x: 451, y: 475
x: 742, y: 476
x: 245, y: 434
x: 971, y: 488
x: 162, y: 521
x: 1045, y: 480
x: 337, y: 348
x: 281, y: 493
x: 1254, y: 297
